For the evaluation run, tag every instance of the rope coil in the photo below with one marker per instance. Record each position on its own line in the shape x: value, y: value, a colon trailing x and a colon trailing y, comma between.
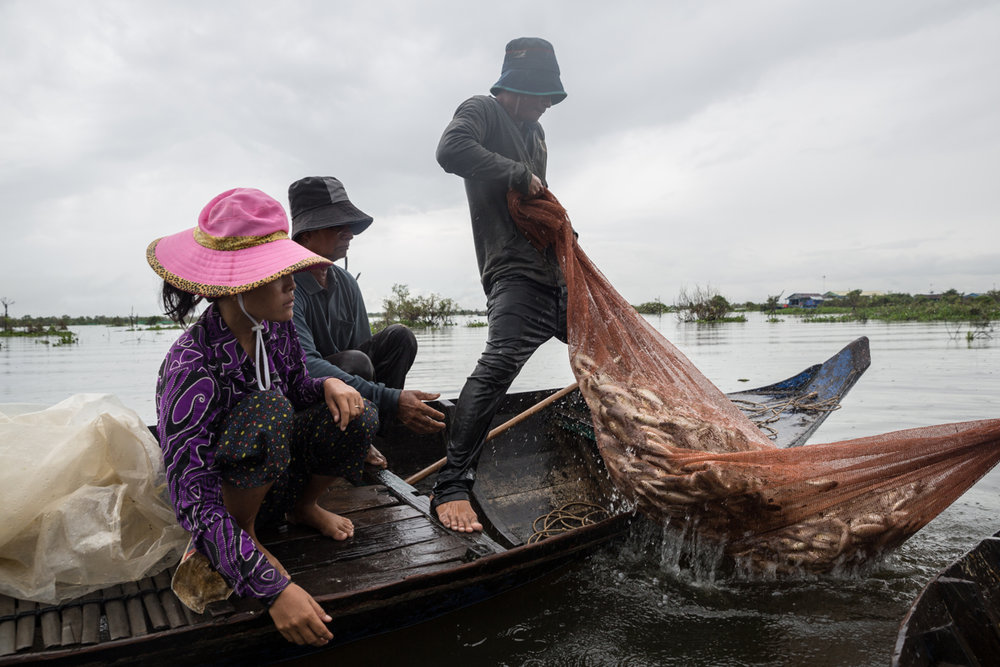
x: 568, y: 517
x: 764, y: 414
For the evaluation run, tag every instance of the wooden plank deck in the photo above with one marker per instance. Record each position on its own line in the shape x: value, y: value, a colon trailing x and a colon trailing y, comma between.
x: 394, y: 538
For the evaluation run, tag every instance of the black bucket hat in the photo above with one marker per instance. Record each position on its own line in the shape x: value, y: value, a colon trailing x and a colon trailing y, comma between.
x: 530, y: 68
x: 319, y: 202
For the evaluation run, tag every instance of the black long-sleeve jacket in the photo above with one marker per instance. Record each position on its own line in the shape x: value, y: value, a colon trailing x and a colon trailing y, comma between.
x: 494, y: 153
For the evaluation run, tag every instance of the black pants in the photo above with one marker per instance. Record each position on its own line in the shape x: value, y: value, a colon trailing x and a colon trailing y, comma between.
x: 522, y: 314
x: 386, y: 357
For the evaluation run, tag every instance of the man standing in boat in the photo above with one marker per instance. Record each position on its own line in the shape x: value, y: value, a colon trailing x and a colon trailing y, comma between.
x: 331, y: 318
x: 495, y: 143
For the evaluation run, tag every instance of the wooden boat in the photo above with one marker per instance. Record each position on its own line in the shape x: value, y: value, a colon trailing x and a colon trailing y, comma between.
x: 956, y: 618
x: 402, y: 567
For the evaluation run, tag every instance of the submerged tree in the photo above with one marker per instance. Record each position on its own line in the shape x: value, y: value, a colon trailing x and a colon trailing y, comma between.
x: 703, y: 304
x: 6, y: 320
x: 420, y: 311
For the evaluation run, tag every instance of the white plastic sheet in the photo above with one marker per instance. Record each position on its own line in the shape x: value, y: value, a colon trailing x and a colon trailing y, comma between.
x: 82, y: 499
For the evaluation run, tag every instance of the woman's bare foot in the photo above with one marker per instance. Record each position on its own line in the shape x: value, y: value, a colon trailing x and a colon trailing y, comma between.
x: 459, y: 516
x: 325, y: 521
x: 376, y: 458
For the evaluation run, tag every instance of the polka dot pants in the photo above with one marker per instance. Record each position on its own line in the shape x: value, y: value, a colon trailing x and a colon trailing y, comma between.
x: 264, y: 440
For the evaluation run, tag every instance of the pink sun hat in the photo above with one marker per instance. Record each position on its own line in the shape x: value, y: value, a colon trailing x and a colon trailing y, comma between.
x: 241, y: 242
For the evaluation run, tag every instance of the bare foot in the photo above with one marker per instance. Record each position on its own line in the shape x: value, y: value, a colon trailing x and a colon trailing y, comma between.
x: 325, y: 521
x: 459, y: 516
x: 376, y: 458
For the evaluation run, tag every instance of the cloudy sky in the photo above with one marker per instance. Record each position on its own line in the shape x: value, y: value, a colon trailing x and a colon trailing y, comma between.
x: 751, y: 146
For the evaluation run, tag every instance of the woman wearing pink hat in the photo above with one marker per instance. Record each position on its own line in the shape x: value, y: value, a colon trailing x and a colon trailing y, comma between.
x: 245, y: 431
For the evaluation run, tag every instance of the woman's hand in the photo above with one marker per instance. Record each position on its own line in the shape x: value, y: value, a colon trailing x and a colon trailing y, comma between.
x: 299, y: 618
x: 344, y: 401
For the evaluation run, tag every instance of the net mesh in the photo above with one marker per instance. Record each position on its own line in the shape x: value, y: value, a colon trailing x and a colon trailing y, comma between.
x: 676, y: 446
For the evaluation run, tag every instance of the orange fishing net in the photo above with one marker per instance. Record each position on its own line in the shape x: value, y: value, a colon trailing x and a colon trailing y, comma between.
x: 678, y: 448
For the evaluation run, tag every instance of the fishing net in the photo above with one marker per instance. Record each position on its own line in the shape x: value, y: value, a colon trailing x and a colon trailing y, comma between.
x: 679, y: 449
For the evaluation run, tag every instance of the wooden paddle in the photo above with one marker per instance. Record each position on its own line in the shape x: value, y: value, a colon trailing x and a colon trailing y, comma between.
x: 541, y: 405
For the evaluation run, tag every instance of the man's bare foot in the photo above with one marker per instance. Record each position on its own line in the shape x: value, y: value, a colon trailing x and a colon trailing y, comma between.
x: 376, y: 458
x: 459, y: 516
x: 325, y: 521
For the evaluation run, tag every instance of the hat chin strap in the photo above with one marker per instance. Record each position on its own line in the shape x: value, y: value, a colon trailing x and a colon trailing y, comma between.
x: 260, y: 359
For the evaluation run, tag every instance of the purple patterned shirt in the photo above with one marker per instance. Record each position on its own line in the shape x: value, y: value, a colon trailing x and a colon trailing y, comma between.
x: 204, y: 375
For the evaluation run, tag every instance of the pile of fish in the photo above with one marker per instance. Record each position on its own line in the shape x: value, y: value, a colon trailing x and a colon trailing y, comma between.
x: 676, y: 467
x: 681, y: 451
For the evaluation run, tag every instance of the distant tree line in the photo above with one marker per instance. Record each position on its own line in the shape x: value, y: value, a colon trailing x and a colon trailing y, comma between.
x: 695, y: 305
x: 949, y: 306
x: 31, y: 324
x: 704, y: 304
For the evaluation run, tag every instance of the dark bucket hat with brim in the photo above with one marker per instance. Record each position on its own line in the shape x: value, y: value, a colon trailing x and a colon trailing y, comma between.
x: 530, y: 68
x: 319, y: 202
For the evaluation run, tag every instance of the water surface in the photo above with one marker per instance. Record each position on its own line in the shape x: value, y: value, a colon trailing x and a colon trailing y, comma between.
x: 631, y: 604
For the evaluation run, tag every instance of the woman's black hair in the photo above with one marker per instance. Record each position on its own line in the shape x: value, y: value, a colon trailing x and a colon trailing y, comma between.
x: 178, y: 304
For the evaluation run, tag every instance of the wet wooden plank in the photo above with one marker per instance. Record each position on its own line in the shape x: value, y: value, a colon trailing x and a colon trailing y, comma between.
x: 8, y: 628
x: 72, y: 626
x: 383, y: 568
x: 114, y: 611
x: 346, y: 499
x: 361, y: 519
x: 410, y: 496
x: 25, y: 625
x: 321, y: 551
x: 382, y: 515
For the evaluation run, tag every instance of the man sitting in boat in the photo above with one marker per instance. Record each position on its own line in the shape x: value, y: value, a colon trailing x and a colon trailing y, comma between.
x: 331, y: 318
x: 245, y: 431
